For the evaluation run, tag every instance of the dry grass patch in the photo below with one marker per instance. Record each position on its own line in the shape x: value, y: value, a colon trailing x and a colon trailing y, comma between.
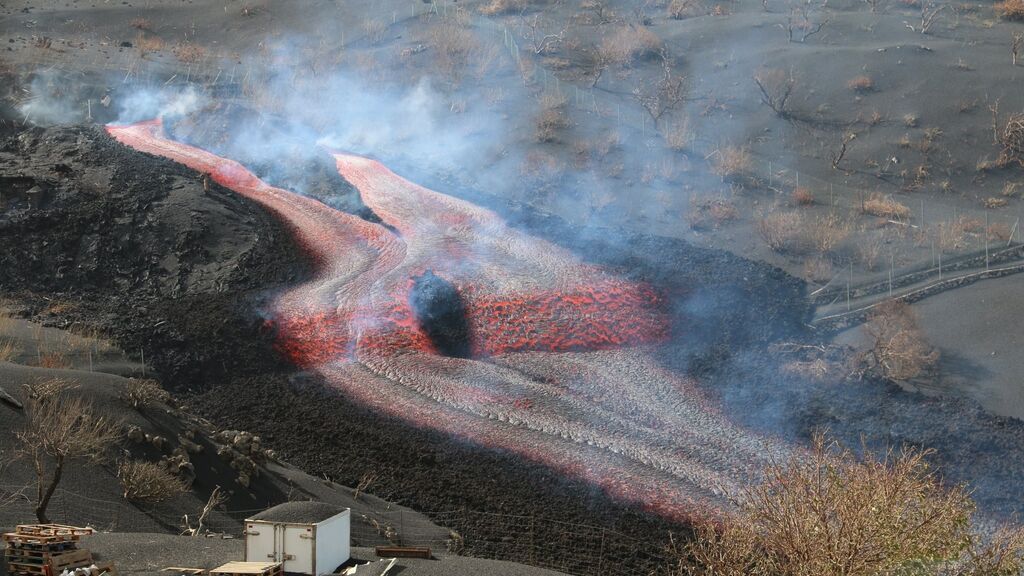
x: 453, y: 44
x: 731, y: 162
x: 54, y: 360
x: 885, y: 207
x: 628, y: 44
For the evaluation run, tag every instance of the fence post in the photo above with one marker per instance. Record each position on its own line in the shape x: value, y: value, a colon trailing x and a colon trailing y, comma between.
x: 986, y: 240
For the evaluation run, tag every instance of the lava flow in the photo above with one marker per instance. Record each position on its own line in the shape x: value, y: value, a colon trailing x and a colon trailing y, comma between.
x: 558, y: 368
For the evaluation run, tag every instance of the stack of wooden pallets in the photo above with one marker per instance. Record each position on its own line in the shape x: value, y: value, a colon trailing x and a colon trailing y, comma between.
x: 249, y: 569
x: 45, y: 549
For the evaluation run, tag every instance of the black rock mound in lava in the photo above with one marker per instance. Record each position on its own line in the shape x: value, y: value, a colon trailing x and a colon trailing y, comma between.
x: 441, y: 313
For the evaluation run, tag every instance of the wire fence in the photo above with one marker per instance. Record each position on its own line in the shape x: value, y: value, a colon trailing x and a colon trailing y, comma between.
x: 568, y: 547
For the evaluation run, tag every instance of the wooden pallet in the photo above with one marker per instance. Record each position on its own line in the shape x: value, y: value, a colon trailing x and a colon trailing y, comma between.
x: 52, y: 530
x: 58, y: 560
x: 31, y: 549
x: 248, y: 569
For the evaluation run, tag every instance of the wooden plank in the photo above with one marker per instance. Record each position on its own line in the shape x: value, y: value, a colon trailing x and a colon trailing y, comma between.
x: 240, y: 568
x: 183, y: 570
x: 403, y: 552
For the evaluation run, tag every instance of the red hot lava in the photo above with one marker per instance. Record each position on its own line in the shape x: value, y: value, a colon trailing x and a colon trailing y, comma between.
x: 562, y: 374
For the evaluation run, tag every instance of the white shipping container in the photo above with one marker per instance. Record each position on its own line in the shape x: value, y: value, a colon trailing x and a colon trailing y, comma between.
x: 306, y: 537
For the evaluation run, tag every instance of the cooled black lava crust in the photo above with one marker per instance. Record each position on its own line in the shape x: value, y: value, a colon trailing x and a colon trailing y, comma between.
x: 441, y: 313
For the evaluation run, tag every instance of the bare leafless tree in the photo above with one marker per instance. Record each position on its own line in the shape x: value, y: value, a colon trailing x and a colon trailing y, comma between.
x: 804, y: 20
x: 601, y: 9
x: 838, y: 155
x: 930, y: 11
x: 217, y: 499
x: 664, y: 95
x: 60, y: 428
x: 537, y: 36
x: 776, y: 86
x: 873, y: 4
x: 899, y: 350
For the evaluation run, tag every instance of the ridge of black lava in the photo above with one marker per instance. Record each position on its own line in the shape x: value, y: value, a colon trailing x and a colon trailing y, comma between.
x: 441, y: 314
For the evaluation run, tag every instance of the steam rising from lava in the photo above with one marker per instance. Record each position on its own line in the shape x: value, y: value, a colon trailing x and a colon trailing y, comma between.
x: 561, y: 370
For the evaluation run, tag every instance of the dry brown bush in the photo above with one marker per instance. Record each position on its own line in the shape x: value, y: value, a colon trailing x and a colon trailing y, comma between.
x: 140, y: 393
x: 710, y: 213
x: 802, y: 196
x: 678, y: 136
x: 552, y: 118
x: 1010, y: 9
x: 782, y: 230
x: 827, y: 232
x: 829, y: 513
x: 495, y: 7
x: 147, y: 44
x: 995, y: 202
x: 818, y: 269
x: 454, y: 44
x: 1012, y: 138
x: 731, y: 162
x: 147, y: 482
x: 189, y: 53
x: 628, y: 44
x: 879, y: 205
x: 142, y: 24
x: 9, y: 350
x: 861, y: 83
x: 899, y: 350
x: 57, y: 430
x: 682, y: 9
x: 868, y: 251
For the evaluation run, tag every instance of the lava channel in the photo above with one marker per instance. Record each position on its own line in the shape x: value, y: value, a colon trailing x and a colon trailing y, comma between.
x: 558, y: 368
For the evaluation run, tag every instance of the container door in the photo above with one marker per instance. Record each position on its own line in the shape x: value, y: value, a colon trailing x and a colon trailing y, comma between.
x: 260, y: 542
x: 298, y: 549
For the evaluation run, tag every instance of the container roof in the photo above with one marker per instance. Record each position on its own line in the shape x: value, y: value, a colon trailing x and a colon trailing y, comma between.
x: 299, y: 512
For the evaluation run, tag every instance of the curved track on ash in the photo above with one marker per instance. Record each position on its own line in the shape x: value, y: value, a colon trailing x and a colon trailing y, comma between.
x: 561, y: 370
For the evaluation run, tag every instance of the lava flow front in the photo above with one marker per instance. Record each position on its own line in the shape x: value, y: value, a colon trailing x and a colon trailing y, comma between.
x: 556, y: 366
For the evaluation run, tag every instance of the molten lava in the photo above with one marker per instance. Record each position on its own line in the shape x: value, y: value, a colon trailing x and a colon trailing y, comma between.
x: 558, y: 368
